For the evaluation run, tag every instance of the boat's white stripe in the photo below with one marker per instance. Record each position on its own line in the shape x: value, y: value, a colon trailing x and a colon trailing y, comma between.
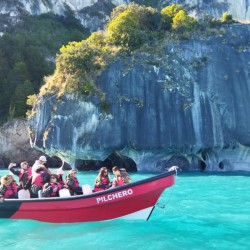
x: 139, y: 215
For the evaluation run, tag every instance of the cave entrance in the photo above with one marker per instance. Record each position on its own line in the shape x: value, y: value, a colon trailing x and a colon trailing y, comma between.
x: 115, y: 159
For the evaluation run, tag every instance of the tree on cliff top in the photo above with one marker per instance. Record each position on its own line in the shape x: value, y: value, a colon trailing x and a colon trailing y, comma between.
x: 168, y: 13
x: 130, y: 26
x: 182, y: 21
x: 227, y: 18
x: 124, y: 30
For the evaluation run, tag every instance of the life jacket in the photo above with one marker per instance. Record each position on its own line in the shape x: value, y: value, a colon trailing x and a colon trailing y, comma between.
x: 38, y: 179
x: 54, y: 185
x: 76, y: 185
x: 23, y: 178
x: 29, y: 170
x: 118, y: 182
x: 73, y: 185
x: 103, y: 186
x: 11, y: 189
x: 105, y: 181
x: 126, y: 178
x: 60, y: 180
x: 24, y: 175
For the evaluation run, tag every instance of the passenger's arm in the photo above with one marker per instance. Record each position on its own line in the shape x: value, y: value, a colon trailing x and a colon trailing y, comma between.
x: 3, y: 189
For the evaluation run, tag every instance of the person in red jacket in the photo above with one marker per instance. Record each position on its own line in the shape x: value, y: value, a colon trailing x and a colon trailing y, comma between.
x: 24, y: 173
x: 73, y: 184
x: 125, y: 176
x: 118, y: 181
x: 8, y: 187
x: 39, y: 178
x: 102, y: 181
x: 52, y: 188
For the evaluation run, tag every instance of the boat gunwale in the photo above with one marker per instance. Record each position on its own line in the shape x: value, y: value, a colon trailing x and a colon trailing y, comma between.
x: 96, y: 194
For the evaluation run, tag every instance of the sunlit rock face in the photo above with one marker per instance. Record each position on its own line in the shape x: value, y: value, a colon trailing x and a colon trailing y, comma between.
x: 239, y: 9
x: 94, y: 14
x: 187, y: 105
x: 15, y: 145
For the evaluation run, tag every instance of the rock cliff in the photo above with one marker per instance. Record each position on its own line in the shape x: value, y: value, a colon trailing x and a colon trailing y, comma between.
x: 186, y: 104
x: 15, y: 143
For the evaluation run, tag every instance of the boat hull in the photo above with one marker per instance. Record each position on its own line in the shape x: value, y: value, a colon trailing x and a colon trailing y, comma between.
x: 132, y: 201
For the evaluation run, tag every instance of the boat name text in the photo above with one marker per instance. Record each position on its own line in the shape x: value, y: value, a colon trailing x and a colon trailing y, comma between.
x: 114, y: 196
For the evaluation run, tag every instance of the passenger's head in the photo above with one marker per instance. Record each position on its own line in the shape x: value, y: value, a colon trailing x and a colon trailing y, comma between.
x: 42, y: 159
x: 116, y: 171
x: 24, y: 165
x: 103, y: 171
x: 7, y: 179
x: 123, y: 170
x: 72, y: 173
x: 53, y: 178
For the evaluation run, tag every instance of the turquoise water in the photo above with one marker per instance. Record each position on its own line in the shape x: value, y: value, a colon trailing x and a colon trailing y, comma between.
x: 203, y: 211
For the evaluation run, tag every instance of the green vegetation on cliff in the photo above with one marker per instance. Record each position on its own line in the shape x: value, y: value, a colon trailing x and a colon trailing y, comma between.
x: 130, y: 27
x: 27, y: 55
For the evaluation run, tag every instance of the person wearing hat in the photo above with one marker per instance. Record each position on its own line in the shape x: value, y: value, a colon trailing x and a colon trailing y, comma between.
x: 38, y: 179
x: 41, y: 161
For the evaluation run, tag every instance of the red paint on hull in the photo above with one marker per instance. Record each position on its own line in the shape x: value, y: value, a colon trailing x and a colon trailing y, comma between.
x: 110, y: 204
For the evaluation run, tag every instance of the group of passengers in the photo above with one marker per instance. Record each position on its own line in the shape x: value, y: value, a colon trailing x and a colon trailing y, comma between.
x: 102, y: 181
x: 40, y: 181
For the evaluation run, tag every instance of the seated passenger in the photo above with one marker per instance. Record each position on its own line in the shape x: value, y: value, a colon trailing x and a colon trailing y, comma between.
x: 39, y: 178
x: 73, y: 184
x: 24, y: 173
x: 8, y: 188
x: 125, y: 176
x: 102, y: 181
x: 52, y: 188
x: 118, y: 181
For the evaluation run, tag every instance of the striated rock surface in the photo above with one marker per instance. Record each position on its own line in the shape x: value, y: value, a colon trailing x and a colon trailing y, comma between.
x: 185, y: 105
x: 15, y: 143
x: 93, y: 14
x: 239, y: 9
x: 16, y: 147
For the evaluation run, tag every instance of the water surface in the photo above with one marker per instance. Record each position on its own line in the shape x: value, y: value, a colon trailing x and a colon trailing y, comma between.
x: 201, y: 211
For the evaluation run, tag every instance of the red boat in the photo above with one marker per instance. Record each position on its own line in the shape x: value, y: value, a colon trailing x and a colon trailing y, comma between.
x: 132, y: 201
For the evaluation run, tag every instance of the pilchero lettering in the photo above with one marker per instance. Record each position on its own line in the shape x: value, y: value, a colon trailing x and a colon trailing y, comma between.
x: 117, y: 195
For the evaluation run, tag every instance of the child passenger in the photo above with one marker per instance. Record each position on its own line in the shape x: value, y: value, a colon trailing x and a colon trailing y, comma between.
x: 102, y: 181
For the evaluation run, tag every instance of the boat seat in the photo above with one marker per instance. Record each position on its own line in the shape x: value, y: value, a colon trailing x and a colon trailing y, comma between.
x: 23, y: 194
x: 40, y: 195
x: 64, y: 192
x: 86, y: 189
